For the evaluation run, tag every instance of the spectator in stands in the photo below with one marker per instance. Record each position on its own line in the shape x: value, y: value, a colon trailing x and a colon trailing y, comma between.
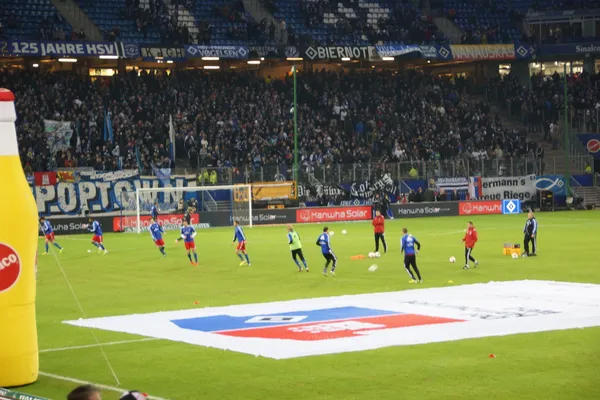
x: 85, y: 392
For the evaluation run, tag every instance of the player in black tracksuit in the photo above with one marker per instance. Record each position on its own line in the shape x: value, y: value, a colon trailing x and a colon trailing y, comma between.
x: 530, y: 231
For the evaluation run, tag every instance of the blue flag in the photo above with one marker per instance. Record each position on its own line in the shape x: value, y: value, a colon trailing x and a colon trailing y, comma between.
x: 164, y: 174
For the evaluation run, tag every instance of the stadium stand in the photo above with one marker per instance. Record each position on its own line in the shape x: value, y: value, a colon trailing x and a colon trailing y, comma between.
x: 358, y: 22
x: 238, y: 119
x: 35, y: 19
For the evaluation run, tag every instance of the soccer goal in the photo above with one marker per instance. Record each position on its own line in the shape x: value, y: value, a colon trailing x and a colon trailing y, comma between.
x: 206, y: 206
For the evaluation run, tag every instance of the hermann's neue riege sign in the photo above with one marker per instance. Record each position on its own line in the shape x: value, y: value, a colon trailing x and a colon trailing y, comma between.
x: 339, y: 52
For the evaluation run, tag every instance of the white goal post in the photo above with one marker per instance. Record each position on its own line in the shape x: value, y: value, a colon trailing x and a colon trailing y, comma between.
x: 238, y: 203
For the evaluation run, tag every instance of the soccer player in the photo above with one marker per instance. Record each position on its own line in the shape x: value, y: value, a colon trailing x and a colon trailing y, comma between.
x: 49, y: 233
x: 470, y: 239
x: 240, y: 250
x: 97, y: 239
x: 407, y: 245
x: 296, y: 248
x: 530, y: 231
x: 323, y: 242
x: 379, y: 229
x: 188, y: 233
x: 156, y: 231
x: 154, y: 210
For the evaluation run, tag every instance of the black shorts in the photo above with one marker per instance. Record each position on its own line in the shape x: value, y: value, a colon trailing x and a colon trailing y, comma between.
x: 330, y: 257
x: 297, y: 253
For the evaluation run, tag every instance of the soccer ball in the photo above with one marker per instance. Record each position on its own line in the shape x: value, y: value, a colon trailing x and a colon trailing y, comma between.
x: 344, y: 232
x: 89, y: 251
x: 331, y: 233
x: 452, y: 259
x: 515, y: 255
x: 377, y: 254
x: 373, y: 268
x: 371, y: 255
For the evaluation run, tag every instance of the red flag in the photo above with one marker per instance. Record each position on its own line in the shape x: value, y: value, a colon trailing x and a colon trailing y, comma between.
x: 44, y: 178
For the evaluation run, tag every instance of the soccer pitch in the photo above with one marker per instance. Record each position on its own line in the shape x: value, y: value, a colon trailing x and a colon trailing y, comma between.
x: 134, y: 279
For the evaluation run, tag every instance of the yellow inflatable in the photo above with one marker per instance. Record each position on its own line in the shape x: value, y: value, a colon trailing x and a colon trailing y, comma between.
x: 19, y: 356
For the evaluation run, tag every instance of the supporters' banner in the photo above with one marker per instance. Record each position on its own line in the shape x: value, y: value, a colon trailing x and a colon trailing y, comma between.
x: 106, y: 192
x: 483, y: 51
x: 265, y: 191
x: 58, y: 135
x: 274, y: 51
x: 436, y: 52
x: 163, y: 53
x: 368, y: 189
x: 231, y: 52
x: 452, y: 184
x: 307, y: 192
x: 570, y: 49
x: 66, y: 49
x: 44, y: 178
x: 591, y: 141
x: 516, y: 187
x: 555, y: 183
x: 397, y: 50
x: 339, y: 52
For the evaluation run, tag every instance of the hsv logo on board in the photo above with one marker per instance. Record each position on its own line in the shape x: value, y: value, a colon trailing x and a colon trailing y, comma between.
x: 324, y: 324
x: 310, y: 327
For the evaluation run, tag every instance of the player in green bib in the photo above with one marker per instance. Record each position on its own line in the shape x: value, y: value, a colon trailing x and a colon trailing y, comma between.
x: 296, y: 248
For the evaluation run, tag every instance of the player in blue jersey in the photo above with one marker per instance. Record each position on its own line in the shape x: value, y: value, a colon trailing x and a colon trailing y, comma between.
x: 407, y: 245
x: 156, y: 231
x: 240, y: 250
x: 154, y: 210
x: 188, y: 233
x: 49, y: 234
x: 323, y: 242
x: 97, y: 240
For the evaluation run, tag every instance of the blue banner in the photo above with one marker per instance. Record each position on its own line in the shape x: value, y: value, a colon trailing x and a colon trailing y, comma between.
x: 231, y: 52
x: 106, y: 192
x: 571, y: 49
x: 397, y: 50
x: 591, y: 141
x: 555, y: 183
x: 65, y: 49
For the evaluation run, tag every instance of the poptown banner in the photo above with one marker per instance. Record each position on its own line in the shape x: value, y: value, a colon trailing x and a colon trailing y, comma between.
x: 101, y: 192
x: 516, y: 187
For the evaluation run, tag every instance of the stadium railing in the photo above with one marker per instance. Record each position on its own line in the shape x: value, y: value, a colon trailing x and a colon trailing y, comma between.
x: 336, y: 174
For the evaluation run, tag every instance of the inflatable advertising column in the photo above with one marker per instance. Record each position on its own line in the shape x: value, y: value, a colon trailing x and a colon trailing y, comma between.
x: 19, y: 362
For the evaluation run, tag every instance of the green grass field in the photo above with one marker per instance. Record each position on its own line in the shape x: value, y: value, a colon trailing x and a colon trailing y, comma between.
x: 133, y: 278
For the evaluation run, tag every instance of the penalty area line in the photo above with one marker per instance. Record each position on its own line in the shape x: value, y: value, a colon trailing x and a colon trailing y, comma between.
x: 98, y: 385
x: 88, y: 346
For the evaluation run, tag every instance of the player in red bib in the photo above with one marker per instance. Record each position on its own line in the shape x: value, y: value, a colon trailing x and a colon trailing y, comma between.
x: 470, y: 239
x: 379, y: 230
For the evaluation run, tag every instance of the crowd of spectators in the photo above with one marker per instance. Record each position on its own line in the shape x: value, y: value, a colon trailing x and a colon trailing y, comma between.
x: 539, y: 104
x: 242, y: 120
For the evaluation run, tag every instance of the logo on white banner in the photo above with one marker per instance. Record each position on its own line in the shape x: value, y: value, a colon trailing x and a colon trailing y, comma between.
x: 310, y: 327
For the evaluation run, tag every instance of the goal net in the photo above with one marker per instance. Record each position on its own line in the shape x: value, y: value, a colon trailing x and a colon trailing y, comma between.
x: 203, y: 206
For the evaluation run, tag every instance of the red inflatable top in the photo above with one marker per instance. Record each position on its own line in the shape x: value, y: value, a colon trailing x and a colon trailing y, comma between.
x: 6, y: 95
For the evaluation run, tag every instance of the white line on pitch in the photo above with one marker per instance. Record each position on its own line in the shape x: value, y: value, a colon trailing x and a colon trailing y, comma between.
x: 88, y: 346
x: 98, y: 385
